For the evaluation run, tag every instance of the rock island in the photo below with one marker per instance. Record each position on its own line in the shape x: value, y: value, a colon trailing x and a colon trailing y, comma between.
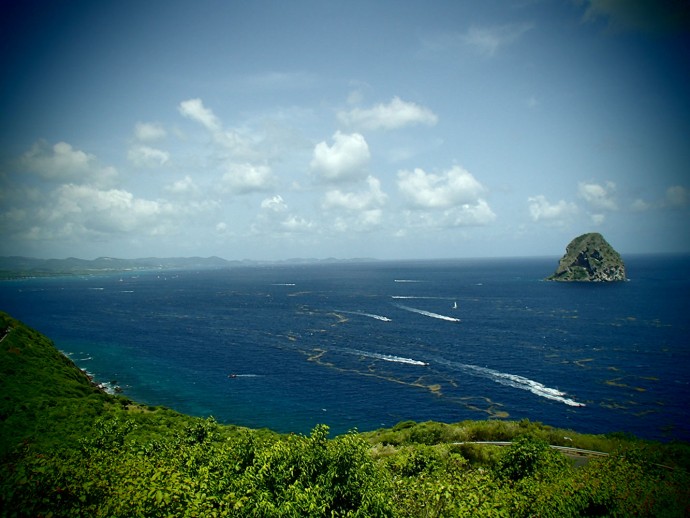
x: 590, y: 258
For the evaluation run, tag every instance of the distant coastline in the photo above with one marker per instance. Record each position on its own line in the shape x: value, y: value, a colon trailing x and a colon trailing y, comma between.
x: 17, y: 267
x: 20, y: 267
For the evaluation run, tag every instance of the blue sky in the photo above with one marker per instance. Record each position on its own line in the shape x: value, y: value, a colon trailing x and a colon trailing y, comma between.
x: 390, y: 129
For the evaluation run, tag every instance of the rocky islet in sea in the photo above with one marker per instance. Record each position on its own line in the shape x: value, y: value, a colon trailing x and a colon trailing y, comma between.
x: 590, y: 258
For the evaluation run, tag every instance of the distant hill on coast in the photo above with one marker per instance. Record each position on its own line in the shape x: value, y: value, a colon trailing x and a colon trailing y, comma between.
x: 18, y: 267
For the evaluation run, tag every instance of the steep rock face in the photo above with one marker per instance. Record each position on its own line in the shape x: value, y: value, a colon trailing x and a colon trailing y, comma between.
x: 590, y: 258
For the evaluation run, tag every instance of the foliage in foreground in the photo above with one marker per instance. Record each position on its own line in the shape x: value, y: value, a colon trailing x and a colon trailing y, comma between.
x: 120, y: 459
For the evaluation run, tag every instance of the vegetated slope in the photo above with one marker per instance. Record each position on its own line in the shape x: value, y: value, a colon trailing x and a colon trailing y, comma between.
x: 68, y: 449
x: 590, y: 257
x: 43, y: 392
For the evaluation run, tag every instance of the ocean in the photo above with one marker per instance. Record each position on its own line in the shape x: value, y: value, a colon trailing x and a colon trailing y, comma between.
x: 365, y: 345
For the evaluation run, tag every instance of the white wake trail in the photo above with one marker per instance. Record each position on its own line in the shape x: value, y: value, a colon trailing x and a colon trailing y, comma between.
x: 428, y: 313
x: 389, y: 358
x: 369, y: 315
x: 520, y: 382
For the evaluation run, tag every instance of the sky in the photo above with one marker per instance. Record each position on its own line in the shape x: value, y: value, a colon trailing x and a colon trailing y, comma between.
x: 271, y: 130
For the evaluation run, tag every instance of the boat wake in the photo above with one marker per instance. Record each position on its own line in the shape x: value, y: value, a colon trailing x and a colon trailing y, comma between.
x: 520, y: 382
x: 410, y: 297
x: 370, y: 315
x: 388, y: 357
x: 428, y: 313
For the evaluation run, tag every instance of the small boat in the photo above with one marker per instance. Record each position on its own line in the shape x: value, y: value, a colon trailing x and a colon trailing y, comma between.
x: 455, y: 305
x: 232, y: 375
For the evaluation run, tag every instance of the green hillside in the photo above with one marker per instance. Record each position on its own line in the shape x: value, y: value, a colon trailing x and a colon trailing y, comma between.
x: 69, y: 449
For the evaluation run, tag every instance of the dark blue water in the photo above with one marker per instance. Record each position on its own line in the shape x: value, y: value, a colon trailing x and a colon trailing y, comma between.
x: 368, y: 345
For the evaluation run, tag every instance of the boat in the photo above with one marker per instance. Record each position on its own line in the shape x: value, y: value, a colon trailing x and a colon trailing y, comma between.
x: 455, y: 305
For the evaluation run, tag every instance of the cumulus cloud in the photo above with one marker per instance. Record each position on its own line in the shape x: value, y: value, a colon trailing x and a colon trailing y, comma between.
x: 359, y: 211
x: 295, y: 224
x: 599, y: 197
x: 184, y: 186
x: 469, y: 214
x: 356, y: 201
x: 396, y: 114
x: 463, y: 215
x: 146, y: 156
x: 438, y: 191
x: 541, y: 209
x: 194, y: 109
x: 450, y: 199
x: 344, y: 160
x: 228, y: 140
x: 245, y: 178
x: 274, y: 204
x: 61, y: 162
x: 104, y: 211
x: 148, y: 131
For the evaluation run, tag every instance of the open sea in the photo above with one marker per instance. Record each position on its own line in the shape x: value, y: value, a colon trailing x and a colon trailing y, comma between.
x: 366, y: 345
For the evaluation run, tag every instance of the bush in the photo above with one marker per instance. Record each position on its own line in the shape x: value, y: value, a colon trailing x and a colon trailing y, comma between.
x: 529, y: 456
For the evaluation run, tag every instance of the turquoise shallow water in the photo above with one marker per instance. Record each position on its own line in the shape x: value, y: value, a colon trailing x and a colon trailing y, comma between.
x: 365, y: 345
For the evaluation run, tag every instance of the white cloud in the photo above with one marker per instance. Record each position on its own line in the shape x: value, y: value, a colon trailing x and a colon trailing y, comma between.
x: 427, y: 190
x: 245, y: 178
x: 296, y: 224
x: 61, y: 162
x: 194, y: 109
x: 356, y: 201
x: 146, y: 156
x: 355, y: 211
x: 451, y: 199
x: 274, y: 204
x: 677, y: 196
x: 541, y: 210
x: 240, y: 146
x: 598, y: 196
x: 148, y: 131
x: 185, y: 186
x: 104, y: 211
x: 478, y: 213
x: 393, y: 115
x: 344, y: 160
x: 470, y: 214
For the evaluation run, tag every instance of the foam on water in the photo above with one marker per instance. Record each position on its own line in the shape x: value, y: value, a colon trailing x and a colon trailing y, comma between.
x: 520, y: 382
x: 388, y: 357
x: 369, y: 315
x: 428, y: 313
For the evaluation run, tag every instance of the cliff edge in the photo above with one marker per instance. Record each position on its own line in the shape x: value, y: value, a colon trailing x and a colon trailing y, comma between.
x: 589, y: 258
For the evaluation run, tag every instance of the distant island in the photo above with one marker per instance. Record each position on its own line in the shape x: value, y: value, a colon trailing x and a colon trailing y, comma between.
x: 590, y: 258
x: 22, y: 267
